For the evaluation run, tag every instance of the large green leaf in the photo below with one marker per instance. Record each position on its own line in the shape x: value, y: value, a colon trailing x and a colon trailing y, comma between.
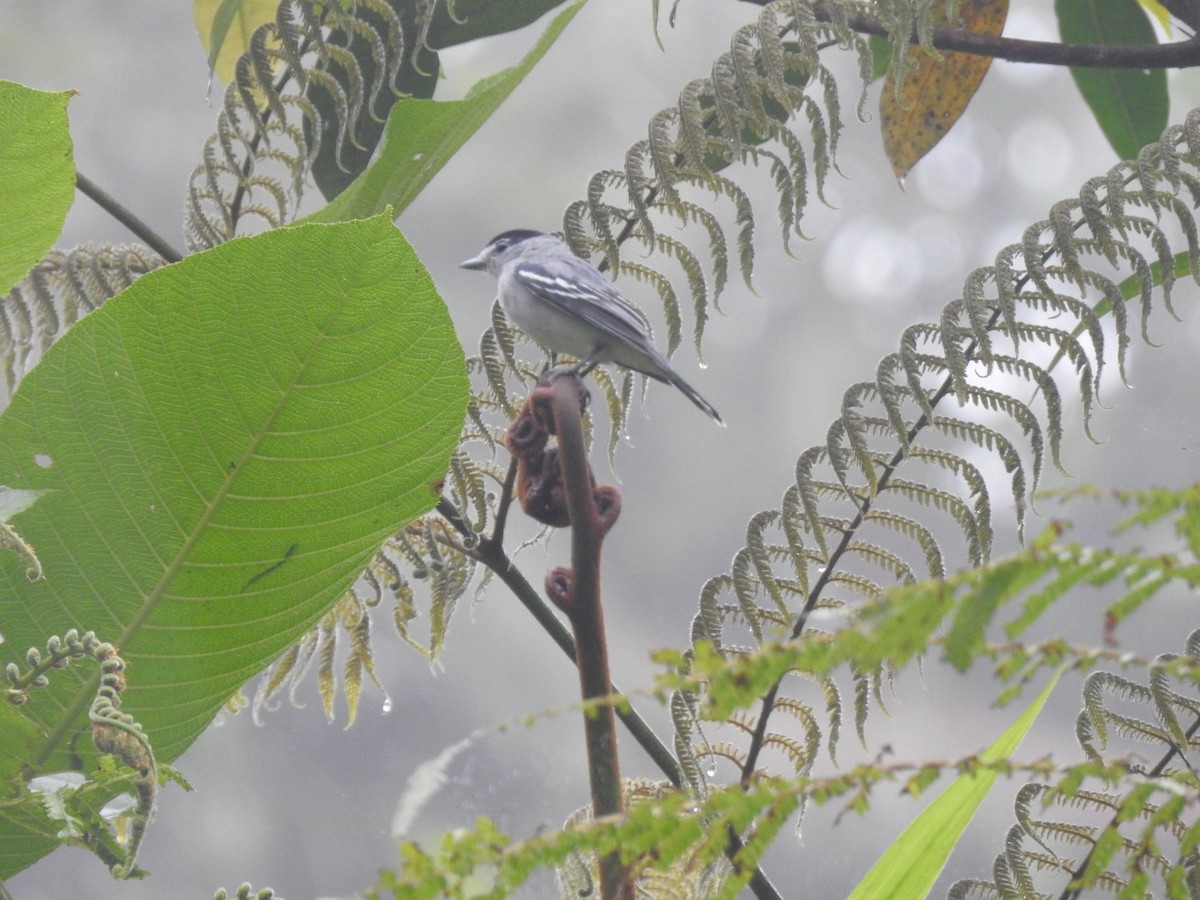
x: 227, y: 441
x: 422, y: 135
x: 1130, y: 105
x: 910, y: 866
x: 37, y: 176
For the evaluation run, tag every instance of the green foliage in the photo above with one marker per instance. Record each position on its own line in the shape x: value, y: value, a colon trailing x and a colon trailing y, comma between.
x: 37, y: 178
x: 238, y: 439
x: 246, y: 892
x: 355, y: 67
x: 1130, y: 105
x: 66, y: 807
x: 392, y: 54
x: 664, y: 829
x: 422, y: 135
x: 243, y: 430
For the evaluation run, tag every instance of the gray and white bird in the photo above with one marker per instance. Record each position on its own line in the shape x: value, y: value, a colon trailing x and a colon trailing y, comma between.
x: 567, y: 306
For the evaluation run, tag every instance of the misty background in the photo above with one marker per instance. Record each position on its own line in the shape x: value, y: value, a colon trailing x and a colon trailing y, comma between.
x: 304, y: 806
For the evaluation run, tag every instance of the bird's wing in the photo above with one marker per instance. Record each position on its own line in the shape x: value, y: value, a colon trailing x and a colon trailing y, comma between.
x: 586, y: 294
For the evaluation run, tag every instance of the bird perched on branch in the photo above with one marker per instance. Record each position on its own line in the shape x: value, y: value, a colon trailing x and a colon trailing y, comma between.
x: 567, y: 306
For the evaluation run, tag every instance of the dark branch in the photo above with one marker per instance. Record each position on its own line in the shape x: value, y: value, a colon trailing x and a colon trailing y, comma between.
x: 1175, y: 55
x: 491, y: 553
x: 89, y: 189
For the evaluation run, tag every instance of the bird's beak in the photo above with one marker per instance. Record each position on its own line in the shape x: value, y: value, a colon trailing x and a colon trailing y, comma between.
x: 477, y: 263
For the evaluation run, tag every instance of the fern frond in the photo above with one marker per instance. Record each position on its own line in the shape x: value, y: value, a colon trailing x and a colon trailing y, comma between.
x: 347, y: 64
x: 1125, y: 852
x: 65, y: 286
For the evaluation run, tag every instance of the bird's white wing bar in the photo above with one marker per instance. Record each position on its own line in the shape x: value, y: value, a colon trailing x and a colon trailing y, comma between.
x: 615, y: 316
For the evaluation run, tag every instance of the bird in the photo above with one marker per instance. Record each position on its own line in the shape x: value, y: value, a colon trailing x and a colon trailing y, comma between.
x: 568, y: 306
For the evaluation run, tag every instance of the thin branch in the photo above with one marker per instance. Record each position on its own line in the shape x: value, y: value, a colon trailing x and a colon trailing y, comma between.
x: 505, y: 502
x: 1174, y: 55
x: 492, y: 555
x: 140, y: 229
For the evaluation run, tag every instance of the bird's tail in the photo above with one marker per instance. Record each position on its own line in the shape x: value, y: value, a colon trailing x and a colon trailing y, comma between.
x: 692, y: 394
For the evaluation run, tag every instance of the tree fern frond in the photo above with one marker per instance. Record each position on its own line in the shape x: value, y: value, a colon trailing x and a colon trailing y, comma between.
x: 617, y: 397
x: 693, y: 130
x: 976, y: 490
x: 883, y: 559
x: 708, y: 623
x: 1127, y: 848
x: 970, y: 889
x: 723, y: 750
x: 833, y: 709
x: 743, y: 216
x: 802, y: 713
x: 348, y: 63
x: 666, y: 293
x: 685, y: 719
x: 640, y: 185
x: 745, y: 589
x: 911, y: 528
x: 62, y: 288
x: 696, y: 285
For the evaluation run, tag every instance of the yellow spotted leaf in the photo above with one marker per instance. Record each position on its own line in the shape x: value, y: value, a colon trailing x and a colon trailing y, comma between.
x: 933, y: 95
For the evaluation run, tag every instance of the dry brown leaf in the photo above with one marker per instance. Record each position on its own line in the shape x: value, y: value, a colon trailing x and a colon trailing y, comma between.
x: 935, y: 94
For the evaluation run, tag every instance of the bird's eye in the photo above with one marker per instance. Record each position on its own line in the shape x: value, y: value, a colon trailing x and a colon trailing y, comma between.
x: 501, y: 245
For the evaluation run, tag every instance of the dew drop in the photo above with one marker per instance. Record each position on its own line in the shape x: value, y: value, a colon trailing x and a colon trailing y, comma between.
x: 387, y: 705
x: 44, y: 460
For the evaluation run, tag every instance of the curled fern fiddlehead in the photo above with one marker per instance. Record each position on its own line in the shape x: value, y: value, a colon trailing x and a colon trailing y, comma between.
x: 113, y: 731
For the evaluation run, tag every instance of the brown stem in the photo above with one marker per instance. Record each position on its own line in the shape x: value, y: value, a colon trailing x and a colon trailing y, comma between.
x: 491, y: 553
x: 587, y: 620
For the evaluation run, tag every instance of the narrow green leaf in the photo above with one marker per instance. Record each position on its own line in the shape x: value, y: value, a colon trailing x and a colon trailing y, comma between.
x: 37, y: 176
x: 229, y: 440
x: 910, y: 866
x: 881, y: 56
x: 422, y: 135
x: 1129, y: 105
